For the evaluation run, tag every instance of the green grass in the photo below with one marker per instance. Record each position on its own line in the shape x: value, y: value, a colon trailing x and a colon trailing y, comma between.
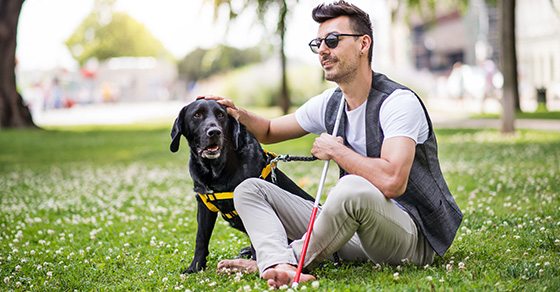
x: 112, y: 209
x: 537, y: 115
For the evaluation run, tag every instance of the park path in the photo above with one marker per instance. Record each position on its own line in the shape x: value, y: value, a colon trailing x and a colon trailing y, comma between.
x: 141, y: 112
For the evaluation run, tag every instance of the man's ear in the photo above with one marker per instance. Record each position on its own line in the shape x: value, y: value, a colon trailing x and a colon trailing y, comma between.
x: 177, y: 131
x: 367, y: 42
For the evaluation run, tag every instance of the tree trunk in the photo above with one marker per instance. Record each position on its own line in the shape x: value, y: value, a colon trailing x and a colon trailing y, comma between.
x: 13, y: 112
x: 508, y: 63
x: 284, y: 101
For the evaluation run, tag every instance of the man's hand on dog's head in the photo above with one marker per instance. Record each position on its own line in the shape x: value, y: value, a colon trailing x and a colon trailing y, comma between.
x: 232, y: 110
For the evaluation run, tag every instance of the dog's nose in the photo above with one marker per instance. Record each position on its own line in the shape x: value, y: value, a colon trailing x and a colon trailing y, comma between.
x: 214, y: 131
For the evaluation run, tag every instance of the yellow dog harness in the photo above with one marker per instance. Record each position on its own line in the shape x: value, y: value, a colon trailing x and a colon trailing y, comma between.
x: 210, y: 199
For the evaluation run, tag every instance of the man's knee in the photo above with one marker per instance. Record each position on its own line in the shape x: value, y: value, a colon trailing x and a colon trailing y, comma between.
x: 247, y: 189
x: 356, y: 188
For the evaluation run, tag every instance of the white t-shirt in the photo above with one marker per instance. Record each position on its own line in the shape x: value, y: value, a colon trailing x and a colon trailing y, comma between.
x: 401, y: 115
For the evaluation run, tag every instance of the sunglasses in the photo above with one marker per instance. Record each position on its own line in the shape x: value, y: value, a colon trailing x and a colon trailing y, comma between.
x: 331, y: 40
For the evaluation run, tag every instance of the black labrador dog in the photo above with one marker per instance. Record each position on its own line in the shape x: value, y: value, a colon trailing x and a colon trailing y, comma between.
x: 223, y: 154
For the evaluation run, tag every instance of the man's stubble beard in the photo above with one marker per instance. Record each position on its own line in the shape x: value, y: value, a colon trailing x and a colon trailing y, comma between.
x: 343, y: 73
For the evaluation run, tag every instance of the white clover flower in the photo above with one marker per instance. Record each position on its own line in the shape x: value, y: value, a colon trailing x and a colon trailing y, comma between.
x: 7, y: 280
x: 39, y: 268
x: 429, y: 278
x: 396, y: 275
x: 18, y: 268
x: 247, y: 288
x: 126, y: 245
x: 151, y: 272
x: 461, y: 265
x: 284, y: 287
x: 164, y: 279
x: 49, y: 275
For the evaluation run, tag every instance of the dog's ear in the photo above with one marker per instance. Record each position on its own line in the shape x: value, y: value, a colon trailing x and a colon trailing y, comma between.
x: 177, y: 131
x: 236, y: 132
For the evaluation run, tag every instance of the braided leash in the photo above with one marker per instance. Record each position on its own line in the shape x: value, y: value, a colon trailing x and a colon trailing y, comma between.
x: 286, y: 158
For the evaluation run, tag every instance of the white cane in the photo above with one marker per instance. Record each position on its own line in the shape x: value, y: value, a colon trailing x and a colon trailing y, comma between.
x: 317, y: 200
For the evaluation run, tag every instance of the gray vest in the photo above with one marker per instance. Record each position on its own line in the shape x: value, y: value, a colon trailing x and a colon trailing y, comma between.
x: 427, y: 198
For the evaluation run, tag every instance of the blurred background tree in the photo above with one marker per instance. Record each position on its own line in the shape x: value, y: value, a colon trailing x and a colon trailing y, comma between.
x: 203, y: 63
x: 264, y: 7
x: 105, y: 34
x: 13, y: 112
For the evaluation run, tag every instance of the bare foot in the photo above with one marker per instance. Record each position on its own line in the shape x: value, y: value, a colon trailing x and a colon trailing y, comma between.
x: 284, y: 274
x: 237, y: 265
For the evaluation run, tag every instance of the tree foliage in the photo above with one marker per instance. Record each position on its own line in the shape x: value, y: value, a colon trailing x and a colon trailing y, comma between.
x: 106, y: 34
x: 202, y: 63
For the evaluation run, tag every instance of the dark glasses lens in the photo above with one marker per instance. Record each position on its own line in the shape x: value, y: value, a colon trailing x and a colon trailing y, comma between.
x: 331, y: 41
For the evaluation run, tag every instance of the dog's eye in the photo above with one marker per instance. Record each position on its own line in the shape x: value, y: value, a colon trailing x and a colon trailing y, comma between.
x: 221, y: 115
x: 197, y: 115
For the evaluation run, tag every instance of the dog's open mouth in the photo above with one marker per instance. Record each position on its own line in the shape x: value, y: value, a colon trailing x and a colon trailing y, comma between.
x: 210, y: 152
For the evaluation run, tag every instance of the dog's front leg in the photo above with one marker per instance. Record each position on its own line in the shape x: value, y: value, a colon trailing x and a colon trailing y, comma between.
x: 206, y: 220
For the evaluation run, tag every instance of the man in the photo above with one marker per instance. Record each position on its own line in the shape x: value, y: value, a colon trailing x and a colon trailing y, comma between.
x: 392, y: 204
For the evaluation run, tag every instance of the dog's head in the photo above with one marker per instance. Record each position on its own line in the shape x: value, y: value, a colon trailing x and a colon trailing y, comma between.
x: 207, y: 127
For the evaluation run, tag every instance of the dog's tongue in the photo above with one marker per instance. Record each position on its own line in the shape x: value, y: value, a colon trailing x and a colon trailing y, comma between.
x: 211, y: 152
x: 213, y: 148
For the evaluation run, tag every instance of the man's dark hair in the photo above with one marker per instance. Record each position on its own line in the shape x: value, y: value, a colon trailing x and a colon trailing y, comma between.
x: 359, y: 19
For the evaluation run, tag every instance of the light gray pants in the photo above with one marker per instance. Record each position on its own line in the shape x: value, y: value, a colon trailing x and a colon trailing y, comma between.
x: 357, y: 221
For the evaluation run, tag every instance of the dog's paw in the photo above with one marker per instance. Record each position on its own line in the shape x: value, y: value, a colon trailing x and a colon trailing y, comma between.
x: 194, y: 268
x: 247, y: 253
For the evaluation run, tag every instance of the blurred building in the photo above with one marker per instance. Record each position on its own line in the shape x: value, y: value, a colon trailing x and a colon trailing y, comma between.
x: 538, y: 45
x: 464, y: 49
x: 135, y: 79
